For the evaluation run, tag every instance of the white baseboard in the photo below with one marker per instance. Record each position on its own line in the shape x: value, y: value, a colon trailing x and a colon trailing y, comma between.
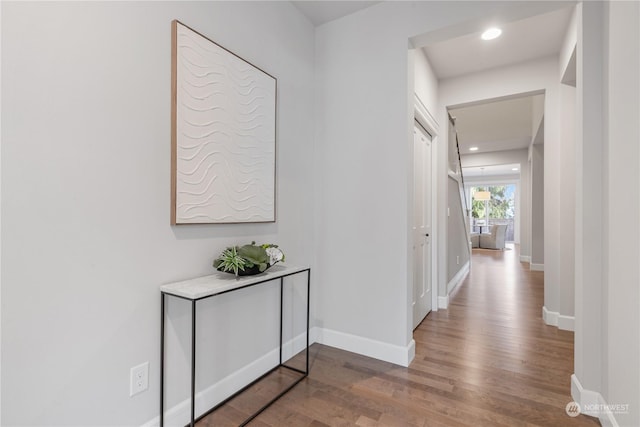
x: 566, y: 323
x: 536, y: 267
x: 592, y: 403
x: 553, y: 318
x: 525, y: 258
x: 377, y: 349
x: 443, y: 302
x: 458, y: 278
x: 180, y: 414
x: 549, y: 317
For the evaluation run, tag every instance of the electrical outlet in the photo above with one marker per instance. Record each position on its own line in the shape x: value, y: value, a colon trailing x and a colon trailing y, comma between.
x: 458, y: 259
x: 139, y: 379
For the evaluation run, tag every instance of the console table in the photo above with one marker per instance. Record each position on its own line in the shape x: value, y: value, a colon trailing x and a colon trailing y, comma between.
x: 220, y: 283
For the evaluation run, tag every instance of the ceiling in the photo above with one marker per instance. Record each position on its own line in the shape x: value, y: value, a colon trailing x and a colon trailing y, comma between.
x: 496, y: 126
x: 476, y: 173
x: 504, y: 124
x: 524, y: 40
x: 321, y: 12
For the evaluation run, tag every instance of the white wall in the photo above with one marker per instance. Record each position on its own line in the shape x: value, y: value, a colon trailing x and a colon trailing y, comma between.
x: 85, y: 211
x: 425, y: 81
x: 567, y: 208
x: 623, y: 211
x: 568, y: 44
x: 364, y: 141
x: 458, y: 248
x: 537, y: 204
x: 607, y: 335
x: 590, y: 291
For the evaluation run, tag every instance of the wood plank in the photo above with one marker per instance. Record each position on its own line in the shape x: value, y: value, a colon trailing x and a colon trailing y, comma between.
x: 489, y: 360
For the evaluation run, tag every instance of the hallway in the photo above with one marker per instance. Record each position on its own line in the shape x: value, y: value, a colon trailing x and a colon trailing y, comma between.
x: 487, y: 360
x: 505, y: 363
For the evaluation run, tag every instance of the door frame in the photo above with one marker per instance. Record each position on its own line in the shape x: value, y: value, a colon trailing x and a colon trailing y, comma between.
x: 426, y: 120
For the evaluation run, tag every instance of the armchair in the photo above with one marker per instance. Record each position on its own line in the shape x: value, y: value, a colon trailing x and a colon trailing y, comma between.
x: 496, y: 239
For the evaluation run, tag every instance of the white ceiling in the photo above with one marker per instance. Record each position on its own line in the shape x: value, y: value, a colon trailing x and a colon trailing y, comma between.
x: 524, y: 40
x: 477, y: 173
x: 506, y: 124
x: 320, y: 12
x: 495, y: 126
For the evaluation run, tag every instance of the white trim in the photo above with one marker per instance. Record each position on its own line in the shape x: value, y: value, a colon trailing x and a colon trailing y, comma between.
x: 536, y: 267
x: 525, y: 258
x: 423, y: 116
x: 566, y: 323
x: 367, y: 347
x: 206, y: 399
x: 443, y: 302
x: 588, y: 398
x: 458, y: 278
x: 549, y: 317
x: 554, y: 318
x: 0, y: 226
x: 454, y: 176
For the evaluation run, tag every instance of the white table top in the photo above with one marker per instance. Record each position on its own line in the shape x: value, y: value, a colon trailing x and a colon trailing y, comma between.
x: 220, y: 282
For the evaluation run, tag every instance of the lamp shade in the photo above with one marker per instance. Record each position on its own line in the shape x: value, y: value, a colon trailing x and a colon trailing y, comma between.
x: 482, y: 195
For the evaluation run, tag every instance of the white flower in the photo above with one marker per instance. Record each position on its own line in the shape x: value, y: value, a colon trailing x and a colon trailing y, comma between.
x: 275, y: 255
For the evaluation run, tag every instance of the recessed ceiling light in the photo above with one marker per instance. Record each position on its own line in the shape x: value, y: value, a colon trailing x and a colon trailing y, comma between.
x: 514, y: 169
x: 491, y: 34
x: 473, y: 149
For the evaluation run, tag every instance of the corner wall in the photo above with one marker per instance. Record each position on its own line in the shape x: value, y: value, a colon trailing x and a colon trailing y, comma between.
x: 607, y: 337
x: 86, y: 238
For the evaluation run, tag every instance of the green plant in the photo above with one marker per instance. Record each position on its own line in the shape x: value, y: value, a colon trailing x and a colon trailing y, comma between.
x: 230, y: 260
x: 250, y: 259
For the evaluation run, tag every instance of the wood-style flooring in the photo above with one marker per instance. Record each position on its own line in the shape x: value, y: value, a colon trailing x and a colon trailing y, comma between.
x: 488, y: 360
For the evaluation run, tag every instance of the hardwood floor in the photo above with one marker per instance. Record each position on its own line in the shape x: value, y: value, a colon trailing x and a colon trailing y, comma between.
x: 489, y: 360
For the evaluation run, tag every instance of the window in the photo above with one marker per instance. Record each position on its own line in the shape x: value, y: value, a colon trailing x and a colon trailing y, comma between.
x: 499, y: 209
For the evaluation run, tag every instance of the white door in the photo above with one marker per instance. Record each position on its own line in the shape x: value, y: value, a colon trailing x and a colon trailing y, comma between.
x: 421, y: 224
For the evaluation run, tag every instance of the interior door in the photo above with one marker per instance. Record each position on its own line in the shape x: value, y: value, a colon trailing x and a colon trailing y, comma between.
x: 422, y: 186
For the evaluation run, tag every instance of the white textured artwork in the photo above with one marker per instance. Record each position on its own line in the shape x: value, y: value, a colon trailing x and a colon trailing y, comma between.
x: 224, y: 127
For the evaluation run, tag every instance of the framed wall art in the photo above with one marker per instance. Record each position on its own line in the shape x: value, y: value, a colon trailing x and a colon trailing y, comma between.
x: 223, y: 142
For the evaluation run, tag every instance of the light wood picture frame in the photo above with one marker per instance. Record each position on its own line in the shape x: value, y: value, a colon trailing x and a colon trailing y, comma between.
x: 223, y: 134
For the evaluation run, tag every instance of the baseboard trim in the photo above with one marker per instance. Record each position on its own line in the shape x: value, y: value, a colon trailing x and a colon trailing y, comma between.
x: 549, y: 317
x: 553, y: 318
x: 536, y: 267
x: 367, y: 347
x: 179, y: 415
x: 443, y: 302
x: 458, y: 278
x: 525, y: 258
x: 592, y: 403
x: 566, y: 323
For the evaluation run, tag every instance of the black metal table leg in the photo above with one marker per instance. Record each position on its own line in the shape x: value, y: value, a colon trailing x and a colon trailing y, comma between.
x: 308, y: 306
x: 193, y: 363
x: 281, y: 309
x: 162, y: 359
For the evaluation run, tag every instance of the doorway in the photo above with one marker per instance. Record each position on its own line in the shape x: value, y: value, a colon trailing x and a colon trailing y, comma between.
x: 422, y: 221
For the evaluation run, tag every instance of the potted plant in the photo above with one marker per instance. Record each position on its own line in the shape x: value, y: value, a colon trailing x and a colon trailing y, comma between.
x: 249, y: 259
